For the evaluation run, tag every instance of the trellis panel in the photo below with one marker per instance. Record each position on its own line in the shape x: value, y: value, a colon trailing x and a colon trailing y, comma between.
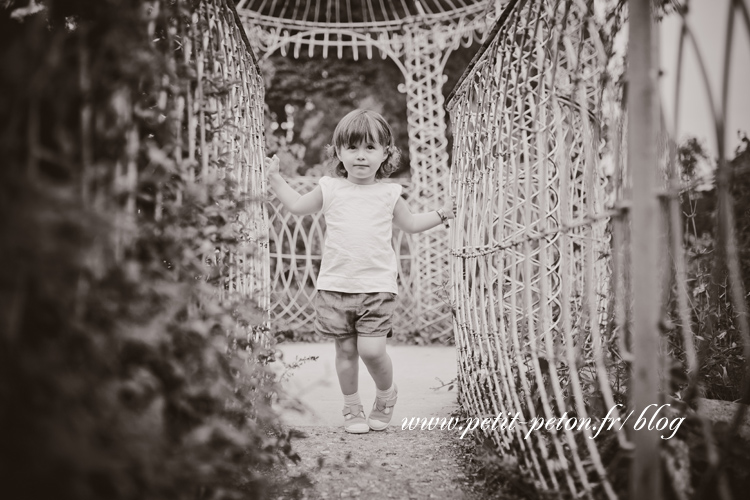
x: 425, y: 113
x: 223, y: 113
x: 576, y: 271
x: 530, y: 250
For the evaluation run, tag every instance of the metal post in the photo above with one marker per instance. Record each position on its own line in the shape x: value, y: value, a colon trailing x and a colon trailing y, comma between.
x: 643, y: 120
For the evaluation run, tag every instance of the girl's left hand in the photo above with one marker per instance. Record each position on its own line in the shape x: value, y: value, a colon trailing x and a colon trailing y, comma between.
x: 449, y: 209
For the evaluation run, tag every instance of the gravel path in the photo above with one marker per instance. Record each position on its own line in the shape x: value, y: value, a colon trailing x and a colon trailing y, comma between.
x: 399, y: 464
x: 395, y: 463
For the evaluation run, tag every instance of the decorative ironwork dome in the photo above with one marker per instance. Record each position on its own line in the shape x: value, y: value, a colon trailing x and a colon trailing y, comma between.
x: 361, y: 14
x: 364, y: 24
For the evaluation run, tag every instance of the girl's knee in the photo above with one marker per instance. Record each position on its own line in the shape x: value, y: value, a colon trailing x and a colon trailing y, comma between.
x: 347, y: 348
x: 372, y: 349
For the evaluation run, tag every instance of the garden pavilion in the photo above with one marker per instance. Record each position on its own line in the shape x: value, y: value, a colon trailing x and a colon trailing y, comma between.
x: 418, y: 36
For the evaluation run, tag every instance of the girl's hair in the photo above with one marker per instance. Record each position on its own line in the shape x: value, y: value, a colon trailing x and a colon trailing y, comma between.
x: 359, y: 126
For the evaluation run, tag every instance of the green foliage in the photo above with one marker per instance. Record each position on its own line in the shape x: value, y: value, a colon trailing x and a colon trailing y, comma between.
x: 741, y: 196
x: 714, y: 323
x: 124, y: 372
x: 688, y: 156
x: 123, y: 382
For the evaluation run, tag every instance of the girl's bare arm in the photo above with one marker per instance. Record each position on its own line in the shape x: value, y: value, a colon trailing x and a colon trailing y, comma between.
x: 416, y: 223
x: 296, y: 203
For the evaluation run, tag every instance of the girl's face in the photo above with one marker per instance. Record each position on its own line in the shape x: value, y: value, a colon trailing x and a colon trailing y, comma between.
x: 362, y: 161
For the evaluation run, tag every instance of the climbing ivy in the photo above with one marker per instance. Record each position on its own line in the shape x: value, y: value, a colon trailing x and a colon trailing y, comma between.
x: 122, y: 373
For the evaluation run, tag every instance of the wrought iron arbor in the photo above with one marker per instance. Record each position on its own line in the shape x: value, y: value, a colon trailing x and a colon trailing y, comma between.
x: 418, y: 37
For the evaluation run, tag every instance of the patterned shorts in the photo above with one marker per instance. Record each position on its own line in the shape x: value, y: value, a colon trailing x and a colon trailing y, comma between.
x: 340, y: 315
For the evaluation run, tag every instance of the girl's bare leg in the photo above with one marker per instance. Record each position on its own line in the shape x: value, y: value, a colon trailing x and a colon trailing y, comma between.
x: 377, y: 361
x: 347, y: 364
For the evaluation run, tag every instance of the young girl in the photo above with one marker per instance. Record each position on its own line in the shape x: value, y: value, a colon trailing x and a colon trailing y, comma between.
x: 356, y: 287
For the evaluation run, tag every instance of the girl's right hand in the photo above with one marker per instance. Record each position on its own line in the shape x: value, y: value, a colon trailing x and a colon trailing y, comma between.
x: 272, y: 165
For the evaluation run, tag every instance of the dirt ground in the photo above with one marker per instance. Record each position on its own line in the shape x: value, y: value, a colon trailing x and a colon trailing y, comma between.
x: 395, y: 463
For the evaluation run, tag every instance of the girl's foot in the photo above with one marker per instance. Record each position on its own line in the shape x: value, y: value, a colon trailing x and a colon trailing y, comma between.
x: 382, y: 411
x: 354, y: 419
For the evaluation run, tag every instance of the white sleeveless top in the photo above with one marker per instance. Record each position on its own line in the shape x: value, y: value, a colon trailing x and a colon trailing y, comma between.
x: 358, y: 255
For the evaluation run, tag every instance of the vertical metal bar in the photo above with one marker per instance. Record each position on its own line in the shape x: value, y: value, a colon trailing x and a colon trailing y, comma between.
x: 643, y: 120
x: 727, y: 228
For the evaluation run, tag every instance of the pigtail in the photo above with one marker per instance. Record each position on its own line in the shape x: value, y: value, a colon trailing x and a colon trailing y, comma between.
x: 390, y: 164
